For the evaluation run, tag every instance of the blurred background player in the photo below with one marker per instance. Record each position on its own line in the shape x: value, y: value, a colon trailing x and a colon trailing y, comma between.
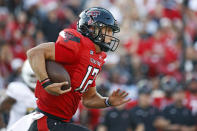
x: 179, y: 116
x: 115, y: 119
x: 20, y: 99
x: 167, y: 85
x: 145, y: 117
x: 191, y: 94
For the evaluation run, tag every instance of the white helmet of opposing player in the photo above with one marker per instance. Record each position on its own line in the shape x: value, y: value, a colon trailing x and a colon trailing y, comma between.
x: 28, y: 75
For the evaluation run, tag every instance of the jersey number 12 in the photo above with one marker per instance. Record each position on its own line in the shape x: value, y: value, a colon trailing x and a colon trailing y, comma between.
x: 83, y: 86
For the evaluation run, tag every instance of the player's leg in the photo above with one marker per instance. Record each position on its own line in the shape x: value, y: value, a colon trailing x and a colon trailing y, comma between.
x: 69, y: 127
x: 56, y: 125
x: 46, y: 124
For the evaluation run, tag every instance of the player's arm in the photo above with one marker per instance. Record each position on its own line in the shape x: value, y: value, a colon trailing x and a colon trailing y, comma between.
x: 91, y: 99
x: 37, y: 57
x: 7, y: 104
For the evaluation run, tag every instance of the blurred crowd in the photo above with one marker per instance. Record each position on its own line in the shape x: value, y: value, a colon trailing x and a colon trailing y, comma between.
x: 156, y: 60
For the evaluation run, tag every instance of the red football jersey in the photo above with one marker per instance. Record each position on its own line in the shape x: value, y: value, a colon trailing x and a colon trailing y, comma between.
x: 78, y: 56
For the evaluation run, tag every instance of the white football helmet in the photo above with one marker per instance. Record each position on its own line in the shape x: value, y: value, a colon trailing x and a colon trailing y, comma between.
x: 28, y: 75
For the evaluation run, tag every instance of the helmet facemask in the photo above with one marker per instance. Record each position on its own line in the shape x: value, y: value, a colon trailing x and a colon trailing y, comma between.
x: 98, y: 34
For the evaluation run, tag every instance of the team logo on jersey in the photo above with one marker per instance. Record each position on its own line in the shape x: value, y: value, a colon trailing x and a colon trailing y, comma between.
x: 68, y: 36
x: 95, y: 62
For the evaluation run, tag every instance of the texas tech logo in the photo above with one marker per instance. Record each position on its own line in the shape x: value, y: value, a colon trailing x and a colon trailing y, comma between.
x: 93, y: 13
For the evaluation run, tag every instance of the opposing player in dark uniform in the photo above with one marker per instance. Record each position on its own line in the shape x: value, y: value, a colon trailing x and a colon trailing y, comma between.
x: 82, y: 53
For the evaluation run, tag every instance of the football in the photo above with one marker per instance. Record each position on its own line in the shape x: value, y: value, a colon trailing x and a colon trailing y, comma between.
x: 57, y: 73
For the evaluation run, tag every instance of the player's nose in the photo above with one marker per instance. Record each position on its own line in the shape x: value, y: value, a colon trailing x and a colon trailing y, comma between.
x: 108, y: 39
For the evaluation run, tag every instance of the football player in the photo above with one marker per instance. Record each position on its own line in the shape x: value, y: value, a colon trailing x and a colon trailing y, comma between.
x: 20, y: 99
x: 82, y: 52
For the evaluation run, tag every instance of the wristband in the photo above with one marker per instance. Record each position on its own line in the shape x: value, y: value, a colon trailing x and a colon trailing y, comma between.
x: 46, y: 82
x: 107, y: 103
